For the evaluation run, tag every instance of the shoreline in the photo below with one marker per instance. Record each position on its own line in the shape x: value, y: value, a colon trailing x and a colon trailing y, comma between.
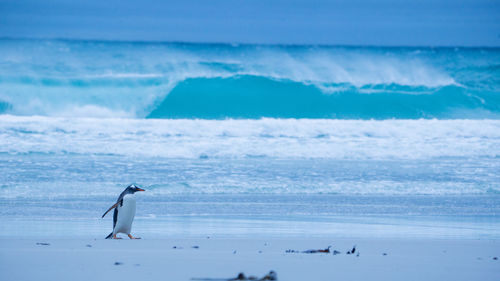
x: 253, y: 215
x: 195, y: 226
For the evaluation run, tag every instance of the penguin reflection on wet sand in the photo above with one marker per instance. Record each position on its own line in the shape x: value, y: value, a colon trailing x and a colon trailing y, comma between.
x: 124, y: 213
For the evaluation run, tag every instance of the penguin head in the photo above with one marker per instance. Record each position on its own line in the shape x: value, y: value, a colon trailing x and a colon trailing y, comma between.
x: 134, y: 188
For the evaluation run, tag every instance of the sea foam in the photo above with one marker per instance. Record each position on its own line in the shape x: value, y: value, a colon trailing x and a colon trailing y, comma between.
x: 279, y: 138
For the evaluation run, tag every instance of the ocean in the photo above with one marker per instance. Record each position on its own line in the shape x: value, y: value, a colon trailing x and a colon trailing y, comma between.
x: 229, y: 139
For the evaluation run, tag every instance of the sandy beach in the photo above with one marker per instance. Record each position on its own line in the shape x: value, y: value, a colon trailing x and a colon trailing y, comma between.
x: 219, y: 236
x: 209, y: 258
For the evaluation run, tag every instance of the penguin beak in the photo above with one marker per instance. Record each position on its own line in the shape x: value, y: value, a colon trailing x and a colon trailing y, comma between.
x: 140, y: 189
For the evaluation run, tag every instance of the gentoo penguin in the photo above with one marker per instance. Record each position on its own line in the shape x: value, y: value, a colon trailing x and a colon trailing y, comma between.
x: 124, y: 212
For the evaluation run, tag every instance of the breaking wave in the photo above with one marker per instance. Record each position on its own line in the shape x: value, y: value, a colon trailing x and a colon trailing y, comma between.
x: 175, y: 80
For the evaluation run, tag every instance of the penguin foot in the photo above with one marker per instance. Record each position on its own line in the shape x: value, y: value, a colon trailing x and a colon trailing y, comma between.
x: 114, y: 237
x: 132, y: 237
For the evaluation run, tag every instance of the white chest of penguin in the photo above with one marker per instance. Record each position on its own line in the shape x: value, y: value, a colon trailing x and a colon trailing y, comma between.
x: 126, y: 214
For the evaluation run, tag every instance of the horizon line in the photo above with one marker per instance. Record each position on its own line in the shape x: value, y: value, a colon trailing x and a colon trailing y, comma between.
x: 237, y: 44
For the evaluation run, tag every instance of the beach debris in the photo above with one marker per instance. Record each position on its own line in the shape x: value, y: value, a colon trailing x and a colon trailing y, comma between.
x: 88, y: 246
x: 327, y: 250
x: 384, y: 254
x: 175, y: 247
x: 240, y: 276
x: 271, y: 276
x: 195, y: 247
x: 495, y: 258
x: 118, y: 263
x: 352, y: 251
x: 43, y: 244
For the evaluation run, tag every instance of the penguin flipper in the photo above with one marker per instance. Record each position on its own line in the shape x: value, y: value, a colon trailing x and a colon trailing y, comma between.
x: 115, y: 218
x: 109, y: 236
x: 111, y: 208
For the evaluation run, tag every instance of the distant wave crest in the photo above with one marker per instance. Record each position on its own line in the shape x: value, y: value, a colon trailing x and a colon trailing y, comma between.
x: 169, y: 80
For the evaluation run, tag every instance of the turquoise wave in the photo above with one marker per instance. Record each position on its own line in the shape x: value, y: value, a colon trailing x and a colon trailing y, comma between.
x: 249, y: 96
x: 176, y: 80
x: 4, y: 107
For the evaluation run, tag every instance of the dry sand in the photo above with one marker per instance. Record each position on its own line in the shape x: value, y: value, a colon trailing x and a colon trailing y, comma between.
x: 184, y: 259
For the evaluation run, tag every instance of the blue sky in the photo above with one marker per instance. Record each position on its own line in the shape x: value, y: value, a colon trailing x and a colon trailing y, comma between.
x: 344, y: 22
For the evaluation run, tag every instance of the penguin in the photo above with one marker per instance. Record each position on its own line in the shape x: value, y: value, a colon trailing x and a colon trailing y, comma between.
x: 124, y: 213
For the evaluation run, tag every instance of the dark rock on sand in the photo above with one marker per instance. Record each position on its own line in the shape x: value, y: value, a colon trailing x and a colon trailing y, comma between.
x: 118, y: 263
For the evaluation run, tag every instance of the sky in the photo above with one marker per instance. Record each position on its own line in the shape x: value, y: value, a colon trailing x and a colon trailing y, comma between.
x: 336, y: 22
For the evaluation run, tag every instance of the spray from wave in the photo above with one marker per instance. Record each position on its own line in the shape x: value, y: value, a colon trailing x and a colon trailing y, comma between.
x: 173, y: 80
